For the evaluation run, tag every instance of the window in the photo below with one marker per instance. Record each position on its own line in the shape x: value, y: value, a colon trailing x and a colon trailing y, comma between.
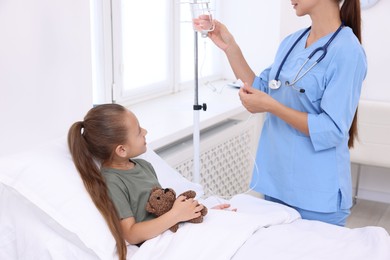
x: 151, y: 46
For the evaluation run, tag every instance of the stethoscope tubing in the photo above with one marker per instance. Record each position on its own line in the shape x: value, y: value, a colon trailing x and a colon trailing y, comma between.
x: 288, y: 53
x: 296, y: 79
x: 276, y: 82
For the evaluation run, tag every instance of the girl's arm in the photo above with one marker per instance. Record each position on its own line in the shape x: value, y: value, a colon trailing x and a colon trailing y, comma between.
x: 182, y: 210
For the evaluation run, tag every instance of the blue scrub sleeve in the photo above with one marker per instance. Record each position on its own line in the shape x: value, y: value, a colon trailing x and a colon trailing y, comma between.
x: 261, y: 82
x: 344, y: 79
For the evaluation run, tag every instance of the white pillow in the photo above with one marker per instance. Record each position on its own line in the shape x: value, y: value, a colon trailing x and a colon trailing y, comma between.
x: 47, y: 179
x: 26, y: 232
x: 169, y: 177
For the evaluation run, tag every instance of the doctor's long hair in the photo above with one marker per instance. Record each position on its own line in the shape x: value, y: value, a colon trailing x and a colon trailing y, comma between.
x: 350, y: 14
x: 93, y: 141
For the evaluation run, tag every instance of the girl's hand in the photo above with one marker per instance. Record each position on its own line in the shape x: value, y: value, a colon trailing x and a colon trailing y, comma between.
x: 185, y: 209
x: 223, y: 206
x: 254, y: 100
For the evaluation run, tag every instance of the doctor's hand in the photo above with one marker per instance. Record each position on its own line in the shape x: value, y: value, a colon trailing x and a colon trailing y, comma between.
x: 220, y: 35
x: 254, y: 100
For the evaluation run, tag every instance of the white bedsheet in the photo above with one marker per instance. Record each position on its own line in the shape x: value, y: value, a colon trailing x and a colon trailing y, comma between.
x: 308, y: 240
x: 220, y: 235
x: 264, y: 230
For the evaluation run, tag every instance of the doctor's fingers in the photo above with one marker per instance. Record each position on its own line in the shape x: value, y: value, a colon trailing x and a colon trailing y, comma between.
x: 246, y: 93
x: 249, y: 106
x: 203, y: 22
x: 221, y: 36
x: 248, y: 89
x: 252, y: 102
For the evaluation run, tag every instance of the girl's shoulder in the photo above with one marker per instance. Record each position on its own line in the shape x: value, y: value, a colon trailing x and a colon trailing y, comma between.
x: 142, y: 162
x: 144, y: 165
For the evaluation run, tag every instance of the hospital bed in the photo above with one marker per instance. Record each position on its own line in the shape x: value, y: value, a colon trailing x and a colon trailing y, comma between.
x: 46, y: 213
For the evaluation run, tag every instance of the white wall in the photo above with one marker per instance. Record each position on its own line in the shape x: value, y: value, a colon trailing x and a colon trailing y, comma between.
x: 375, y: 181
x: 45, y: 70
x: 255, y: 26
x: 290, y: 22
x: 376, y: 41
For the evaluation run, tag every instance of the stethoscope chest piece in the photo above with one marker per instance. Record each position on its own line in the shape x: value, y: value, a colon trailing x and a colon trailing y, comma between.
x: 274, y: 84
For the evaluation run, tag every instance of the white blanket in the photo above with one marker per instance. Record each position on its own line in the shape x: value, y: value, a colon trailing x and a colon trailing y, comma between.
x: 220, y: 235
x: 308, y: 240
x: 264, y: 230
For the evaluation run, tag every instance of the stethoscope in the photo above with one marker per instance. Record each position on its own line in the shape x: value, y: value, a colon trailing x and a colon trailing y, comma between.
x: 276, y: 83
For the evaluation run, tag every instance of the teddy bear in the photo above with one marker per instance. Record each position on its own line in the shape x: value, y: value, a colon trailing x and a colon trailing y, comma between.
x: 161, y: 201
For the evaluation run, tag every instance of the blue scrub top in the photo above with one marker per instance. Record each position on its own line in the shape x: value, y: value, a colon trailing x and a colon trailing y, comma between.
x: 309, y: 172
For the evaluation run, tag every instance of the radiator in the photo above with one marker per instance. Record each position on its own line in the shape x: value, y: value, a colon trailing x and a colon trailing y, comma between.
x: 227, y: 153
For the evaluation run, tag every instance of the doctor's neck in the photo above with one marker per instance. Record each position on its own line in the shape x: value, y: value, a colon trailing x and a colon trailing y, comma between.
x: 324, y: 25
x: 325, y: 18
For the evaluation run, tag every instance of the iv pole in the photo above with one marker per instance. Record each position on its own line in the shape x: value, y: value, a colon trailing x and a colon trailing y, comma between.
x: 196, y: 108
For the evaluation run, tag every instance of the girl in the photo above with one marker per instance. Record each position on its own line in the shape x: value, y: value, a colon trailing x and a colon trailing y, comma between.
x: 120, y: 188
x: 303, y: 151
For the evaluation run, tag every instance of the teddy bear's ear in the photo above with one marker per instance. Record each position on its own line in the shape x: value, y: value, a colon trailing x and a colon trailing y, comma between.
x: 174, y: 228
x: 189, y: 194
x: 154, y: 189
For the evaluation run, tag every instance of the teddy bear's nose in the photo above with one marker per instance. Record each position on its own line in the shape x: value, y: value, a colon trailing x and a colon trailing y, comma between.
x: 166, y: 190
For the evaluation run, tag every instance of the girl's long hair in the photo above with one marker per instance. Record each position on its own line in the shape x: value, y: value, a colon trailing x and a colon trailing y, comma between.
x: 350, y: 14
x: 91, y: 142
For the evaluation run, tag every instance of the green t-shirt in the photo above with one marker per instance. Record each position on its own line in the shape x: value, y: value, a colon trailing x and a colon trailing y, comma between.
x: 130, y: 189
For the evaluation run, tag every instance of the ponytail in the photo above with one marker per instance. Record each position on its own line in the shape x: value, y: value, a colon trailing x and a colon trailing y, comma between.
x: 350, y: 14
x: 84, y: 158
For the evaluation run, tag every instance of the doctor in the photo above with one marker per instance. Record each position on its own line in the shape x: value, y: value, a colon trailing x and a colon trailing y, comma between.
x: 310, y: 94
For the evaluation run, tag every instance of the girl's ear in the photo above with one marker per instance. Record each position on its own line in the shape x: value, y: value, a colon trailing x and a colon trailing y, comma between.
x: 120, y: 150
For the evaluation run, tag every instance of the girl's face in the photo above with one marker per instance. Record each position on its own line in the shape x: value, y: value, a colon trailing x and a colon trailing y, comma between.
x: 136, y: 141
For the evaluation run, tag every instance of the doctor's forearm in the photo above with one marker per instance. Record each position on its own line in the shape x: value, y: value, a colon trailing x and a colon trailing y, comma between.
x: 239, y: 65
x: 295, y: 118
